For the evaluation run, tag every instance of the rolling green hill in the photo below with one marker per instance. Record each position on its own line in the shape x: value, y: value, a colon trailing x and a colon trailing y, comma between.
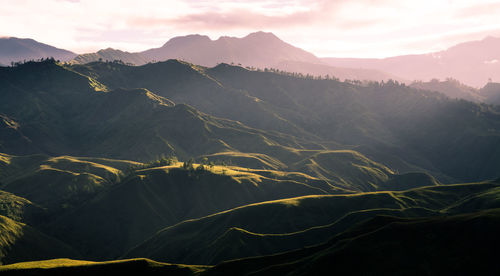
x: 383, y: 245
x: 277, y: 162
x: 406, y: 128
x: 276, y: 226
x: 390, y: 123
x: 151, y: 199
x: 77, y: 267
x: 110, y: 54
x: 391, y: 246
x: 103, y: 207
x: 19, y: 241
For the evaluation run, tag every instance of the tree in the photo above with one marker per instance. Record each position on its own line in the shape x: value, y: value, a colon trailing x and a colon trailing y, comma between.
x: 188, y: 165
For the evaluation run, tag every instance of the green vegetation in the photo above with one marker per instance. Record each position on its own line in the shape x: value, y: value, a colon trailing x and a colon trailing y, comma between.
x: 19, y: 241
x: 276, y: 226
x: 460, y: 244
x: 186, y: 164
x: 383, y: 245
x: 77, y: 267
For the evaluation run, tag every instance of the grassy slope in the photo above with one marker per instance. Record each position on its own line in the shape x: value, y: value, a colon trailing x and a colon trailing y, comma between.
x: 19, y: 241
x: 461, y: 244
x: 383, y: 245
x: 77, y: 267
x: 86, y: 200
x: 381, y: 120
x: 271, y: 227
x: 189, y: 84
x: 151, y: 199
x: 416, y: 126
x: 58, y: 111
x: 58, y: 183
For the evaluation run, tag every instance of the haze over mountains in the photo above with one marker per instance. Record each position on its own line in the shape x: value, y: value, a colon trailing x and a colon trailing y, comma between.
x: 229, y: 170
x: 472, y: 63
x: 18, y: 49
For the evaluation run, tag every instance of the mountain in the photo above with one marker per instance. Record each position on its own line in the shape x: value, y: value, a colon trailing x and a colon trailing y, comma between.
x: 14, y: 49
x: 473, y: 63
x: 110, y: 54
x: 257, y: 50
x: 491, y: 93
x: 390, y: 118
x: 375, y: 119
x: 58, y: 111
x: 341, y: 73
x: 451, y: 88
x: 81, y: 110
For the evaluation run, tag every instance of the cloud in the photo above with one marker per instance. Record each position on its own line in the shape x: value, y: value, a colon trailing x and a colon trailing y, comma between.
x: 324, y: 27
x: 243, y: 14
x: 479, y: 9
x: 224, y: 21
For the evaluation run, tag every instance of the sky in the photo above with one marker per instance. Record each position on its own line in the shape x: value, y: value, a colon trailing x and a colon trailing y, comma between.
x: 335, y: 28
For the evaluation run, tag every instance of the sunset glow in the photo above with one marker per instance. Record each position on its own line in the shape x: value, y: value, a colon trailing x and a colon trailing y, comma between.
x: 364, y: 28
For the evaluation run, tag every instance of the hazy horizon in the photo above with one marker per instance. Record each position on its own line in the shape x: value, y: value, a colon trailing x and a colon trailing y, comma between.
x: 362, y: 29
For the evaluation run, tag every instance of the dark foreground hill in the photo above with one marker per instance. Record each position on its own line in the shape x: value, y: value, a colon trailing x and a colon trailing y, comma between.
x: 454, y: 245
x: 100, y: 209
x: 271, y: 227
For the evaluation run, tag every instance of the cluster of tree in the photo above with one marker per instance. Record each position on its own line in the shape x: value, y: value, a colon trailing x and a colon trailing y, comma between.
x: 293, y: 74
x: 158, y: 162
x: 18, y: 63
x: 116, y: 61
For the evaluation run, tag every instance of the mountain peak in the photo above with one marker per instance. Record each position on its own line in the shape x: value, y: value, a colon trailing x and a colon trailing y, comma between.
x: 262, y: 35
x: 192, y: 38
x: 14, y: 49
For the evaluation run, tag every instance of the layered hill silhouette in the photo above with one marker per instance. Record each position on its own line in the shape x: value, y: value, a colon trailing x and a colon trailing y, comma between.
x: 356, y: 251
x: 113, y: 205
x: 85, y: 109
x: 271, y: 227
x: 182, y: 163
x: 489, y: 94
x: 13, y: 49
x: 472, y: 63
x: 257, y: 50
x: 424, y: 246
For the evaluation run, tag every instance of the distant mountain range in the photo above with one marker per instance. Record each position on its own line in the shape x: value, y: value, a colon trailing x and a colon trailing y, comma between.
x: 259, y: 50
x: 454, y: 89
x: 14, y: 49
x: 473, y: 63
